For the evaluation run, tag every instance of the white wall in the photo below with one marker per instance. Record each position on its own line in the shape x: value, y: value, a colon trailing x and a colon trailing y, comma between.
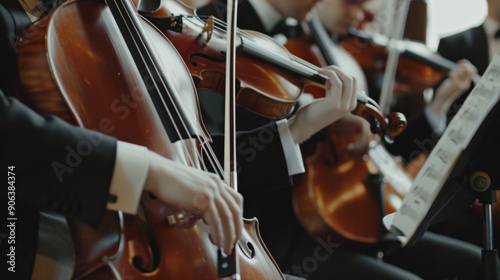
x: 448, y: 17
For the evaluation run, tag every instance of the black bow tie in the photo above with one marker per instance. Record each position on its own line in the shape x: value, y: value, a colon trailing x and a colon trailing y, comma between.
x: 290, y: 30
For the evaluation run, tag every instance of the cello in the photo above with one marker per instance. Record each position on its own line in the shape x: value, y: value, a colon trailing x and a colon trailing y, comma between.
x: 97, y: 65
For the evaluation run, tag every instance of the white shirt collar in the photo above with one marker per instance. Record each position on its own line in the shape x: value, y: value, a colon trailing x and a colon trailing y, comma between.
x: 267, y: 13
x: 491, y: 26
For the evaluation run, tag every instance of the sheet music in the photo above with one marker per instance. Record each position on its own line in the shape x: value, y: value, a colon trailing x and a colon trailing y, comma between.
x: 443, y: 157
x: 399, y: 180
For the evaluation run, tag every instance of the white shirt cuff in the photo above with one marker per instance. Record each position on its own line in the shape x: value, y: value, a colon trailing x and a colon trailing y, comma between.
x: 291, y: 149
x: 129, y: 176
x: 437, y: 123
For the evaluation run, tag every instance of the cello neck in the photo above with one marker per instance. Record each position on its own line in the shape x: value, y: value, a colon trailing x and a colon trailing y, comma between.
x: 284, y: 60
x: 169, y: 112
x: 322, y: 39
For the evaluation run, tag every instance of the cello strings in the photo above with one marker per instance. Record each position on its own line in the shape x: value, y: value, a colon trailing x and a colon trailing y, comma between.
x: 204, y: 142
x: 207, y: 148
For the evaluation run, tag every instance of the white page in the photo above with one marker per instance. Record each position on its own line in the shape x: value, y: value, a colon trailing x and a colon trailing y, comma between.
x: 400, y: 181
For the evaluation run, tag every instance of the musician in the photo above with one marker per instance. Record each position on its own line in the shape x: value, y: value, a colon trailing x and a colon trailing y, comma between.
x: 338, y: 16
x: 294, y: 251
x: 60, y: 168
x: 478, y: 45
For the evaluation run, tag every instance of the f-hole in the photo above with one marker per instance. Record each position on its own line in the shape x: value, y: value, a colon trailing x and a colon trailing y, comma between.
x: 152, y: 244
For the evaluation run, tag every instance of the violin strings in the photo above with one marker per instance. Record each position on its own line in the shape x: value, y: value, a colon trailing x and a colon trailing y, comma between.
x: 207, y: 148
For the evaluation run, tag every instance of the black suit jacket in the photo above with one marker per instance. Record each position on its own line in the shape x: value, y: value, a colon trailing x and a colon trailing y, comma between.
x: 12, y: 22
x: 51, y: 174
x: 418, y: 138
x: 54, y: 170
x: 470, y: 44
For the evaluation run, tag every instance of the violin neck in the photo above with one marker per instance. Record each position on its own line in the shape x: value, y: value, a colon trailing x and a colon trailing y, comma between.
x: 287, y: 61
x: 421, y: 53
x: 414, y: 50
x: 434, y: 60
x: 291, y: 64
x: 322, y: 38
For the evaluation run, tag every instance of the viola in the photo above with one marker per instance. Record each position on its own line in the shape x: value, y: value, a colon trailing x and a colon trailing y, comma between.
x: 81, y: 65
x: 269, y: 78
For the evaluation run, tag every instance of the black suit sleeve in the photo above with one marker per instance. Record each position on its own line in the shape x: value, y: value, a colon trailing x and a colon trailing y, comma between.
x: 471, y: 44
x: 261, y: 163
x: 448, y: 47
x: 58, y: 167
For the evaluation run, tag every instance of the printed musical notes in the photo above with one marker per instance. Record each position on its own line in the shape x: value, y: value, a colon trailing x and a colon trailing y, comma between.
x: 399, y: 180
x: 456, y: 136
x: 445, y: 155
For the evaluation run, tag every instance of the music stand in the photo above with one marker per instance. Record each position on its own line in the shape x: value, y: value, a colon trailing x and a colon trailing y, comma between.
x: 472, y: 176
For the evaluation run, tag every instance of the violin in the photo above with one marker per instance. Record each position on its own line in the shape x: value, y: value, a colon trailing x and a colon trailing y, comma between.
x: 87, y: 58
x: 343, y: 194
x: 418, y: 67
x: 269, y: 78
